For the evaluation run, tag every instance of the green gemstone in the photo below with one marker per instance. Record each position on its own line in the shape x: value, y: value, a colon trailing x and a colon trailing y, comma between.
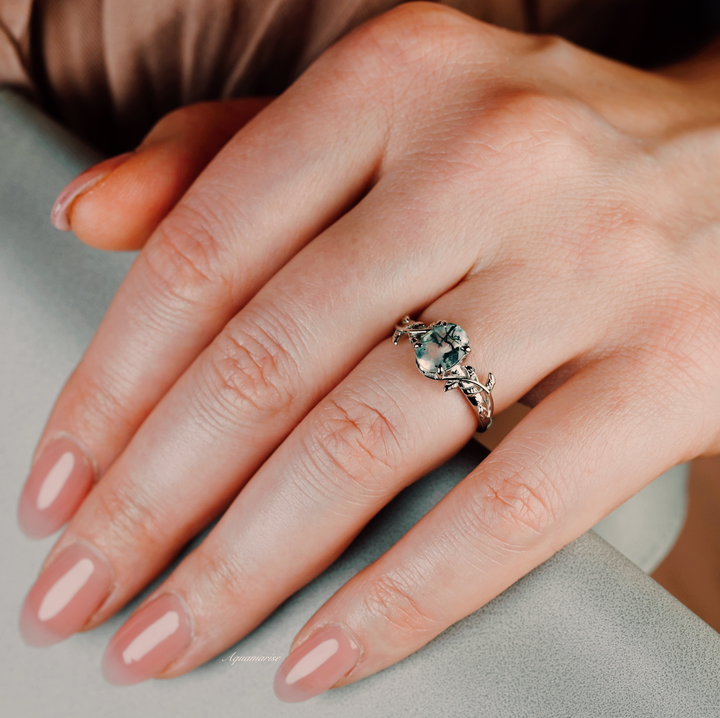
x: 441, y: 348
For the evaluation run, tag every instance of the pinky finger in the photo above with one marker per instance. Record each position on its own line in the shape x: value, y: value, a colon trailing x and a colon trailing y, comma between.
x: 583, y: 450
x: 117, y: 204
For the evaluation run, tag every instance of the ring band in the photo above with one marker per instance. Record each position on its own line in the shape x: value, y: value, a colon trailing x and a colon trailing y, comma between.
x: 439, y: 351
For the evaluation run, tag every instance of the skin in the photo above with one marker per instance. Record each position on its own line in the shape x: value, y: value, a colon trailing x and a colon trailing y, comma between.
x: 560, y: 207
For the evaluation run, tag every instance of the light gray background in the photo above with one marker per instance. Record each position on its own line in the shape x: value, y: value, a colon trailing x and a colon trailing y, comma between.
x: 586, y: 634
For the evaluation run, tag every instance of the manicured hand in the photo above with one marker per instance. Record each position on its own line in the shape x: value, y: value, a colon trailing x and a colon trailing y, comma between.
x: 561, y: 208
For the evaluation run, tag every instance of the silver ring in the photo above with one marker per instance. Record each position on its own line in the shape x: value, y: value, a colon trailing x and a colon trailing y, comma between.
x: 439, y: 351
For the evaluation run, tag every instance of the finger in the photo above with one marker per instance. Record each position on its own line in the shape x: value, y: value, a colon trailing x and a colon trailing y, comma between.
x: 252, y: 208
x: 570, y: 462
x: 247, y: 391
x: 118, y: 204
x: 377, y: 431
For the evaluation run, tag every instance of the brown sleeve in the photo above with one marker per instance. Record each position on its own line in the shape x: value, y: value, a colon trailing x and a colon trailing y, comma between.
x: 109, y: 69
x: 15, y: 45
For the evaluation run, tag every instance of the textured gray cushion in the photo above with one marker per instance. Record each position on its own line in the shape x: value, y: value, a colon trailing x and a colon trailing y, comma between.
x: 586, y: 634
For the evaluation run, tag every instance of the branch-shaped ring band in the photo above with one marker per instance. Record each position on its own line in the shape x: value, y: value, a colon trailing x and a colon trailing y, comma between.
x: 439, y: 351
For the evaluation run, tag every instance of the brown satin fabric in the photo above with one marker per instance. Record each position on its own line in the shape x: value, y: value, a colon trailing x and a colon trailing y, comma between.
x: 15, y: 42
x: 109, y: 69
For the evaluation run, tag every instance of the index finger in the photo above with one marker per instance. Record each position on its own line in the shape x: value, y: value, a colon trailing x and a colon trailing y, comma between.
x: 276, y: 185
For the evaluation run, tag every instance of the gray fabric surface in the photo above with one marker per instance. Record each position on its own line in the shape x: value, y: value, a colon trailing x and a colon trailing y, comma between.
x: 586, y: 634
x: 648, y: 524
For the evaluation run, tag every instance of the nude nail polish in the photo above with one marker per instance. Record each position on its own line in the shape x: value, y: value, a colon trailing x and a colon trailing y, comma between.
x: 58, y: 482
x: 149, y: 641
x: 317, y: 664
x: 65, y: 596
x: 60, y: 215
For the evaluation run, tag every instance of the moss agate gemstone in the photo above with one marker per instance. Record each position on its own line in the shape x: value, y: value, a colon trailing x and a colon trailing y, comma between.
x: 440, y: 349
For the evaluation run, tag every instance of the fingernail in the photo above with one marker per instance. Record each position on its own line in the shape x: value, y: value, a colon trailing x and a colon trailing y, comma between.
x: 58, y: 482
x: 317, y: 664
x: 149, y: 641
x: 65, y: 596
x: 60, y: 215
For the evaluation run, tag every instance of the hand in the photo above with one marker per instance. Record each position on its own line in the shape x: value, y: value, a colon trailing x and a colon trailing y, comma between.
x: 558, y: 206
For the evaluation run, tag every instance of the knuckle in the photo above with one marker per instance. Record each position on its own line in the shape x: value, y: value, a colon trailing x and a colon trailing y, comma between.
x: 612, y: 243
x: 392, y: 599
x: 676, y: 323
x: 529, y: 120
x: 224, y: 577
x: 522, y: 141
x: 251, y: 369
x: 132, y: 519
x: 416, y: 37
x: 355, y: 444
x: 690, y: 335
x: 679, y: 342
x: 539, y: 147
x: 515, y: 507
x: 554, y: 51
x: 102, y: 406
x: 186, y: 260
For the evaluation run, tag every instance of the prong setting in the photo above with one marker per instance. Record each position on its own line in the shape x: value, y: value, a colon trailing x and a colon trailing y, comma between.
x: 440, y: 349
